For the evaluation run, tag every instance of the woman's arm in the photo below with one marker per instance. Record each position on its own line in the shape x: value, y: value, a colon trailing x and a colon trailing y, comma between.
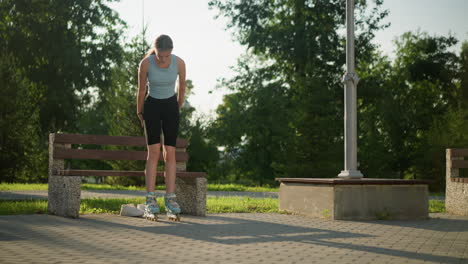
x: 182, y: 83
x: 142, y: 79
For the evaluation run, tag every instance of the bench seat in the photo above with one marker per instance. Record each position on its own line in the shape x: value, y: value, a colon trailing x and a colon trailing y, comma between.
x: 183, y: 174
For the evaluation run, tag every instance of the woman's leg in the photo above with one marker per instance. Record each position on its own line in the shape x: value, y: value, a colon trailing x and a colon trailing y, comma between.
x: 151, y: 166
x: 152, y: 130
x: 172, y: 207
x: 170, y: 127
x: 170, y: 168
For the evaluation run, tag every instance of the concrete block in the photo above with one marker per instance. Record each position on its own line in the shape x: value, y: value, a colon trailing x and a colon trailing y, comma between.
x: 396, y: 202
x: 374, y: 200
x: 297, y: 198
x: 191, y: 195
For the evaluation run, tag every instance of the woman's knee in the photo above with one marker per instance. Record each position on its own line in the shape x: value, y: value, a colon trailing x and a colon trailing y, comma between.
x: 153, y: 152
x: 169, y: 154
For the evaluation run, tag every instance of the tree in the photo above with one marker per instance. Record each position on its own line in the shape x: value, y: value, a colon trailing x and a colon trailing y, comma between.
x: 65, y: 46
x: 464, y: 73
x: 402, y: 105
x: 447, y: 130
x: 203, y: 152
x: 247, y: 126
x: 423, y: 90
x: 302, y: 40
x: 22, y: 154
x: 375, y: 154
x: 56, y: 50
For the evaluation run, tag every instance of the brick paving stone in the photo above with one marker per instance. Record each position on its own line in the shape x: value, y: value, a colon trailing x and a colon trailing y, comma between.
x: 231, y: 238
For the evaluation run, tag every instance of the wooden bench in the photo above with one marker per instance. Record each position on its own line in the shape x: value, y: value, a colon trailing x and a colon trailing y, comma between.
x: 456, y: 189
x: 64, y: 184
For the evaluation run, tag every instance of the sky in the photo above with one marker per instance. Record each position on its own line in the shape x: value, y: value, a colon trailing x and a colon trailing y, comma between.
x: 209, y: 50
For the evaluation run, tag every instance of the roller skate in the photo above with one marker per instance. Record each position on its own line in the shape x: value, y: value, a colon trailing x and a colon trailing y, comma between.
x: 151, y: 207
x: 172, y: 208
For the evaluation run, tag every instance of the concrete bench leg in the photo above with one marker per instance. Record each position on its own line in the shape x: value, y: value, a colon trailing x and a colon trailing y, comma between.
x: 64, y: 196
x: 191, y: 195
x: 456, y: 193
x: 64, y: 191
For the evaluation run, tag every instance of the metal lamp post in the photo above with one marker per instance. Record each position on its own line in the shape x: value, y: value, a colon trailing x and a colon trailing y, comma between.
x: 350, y: 80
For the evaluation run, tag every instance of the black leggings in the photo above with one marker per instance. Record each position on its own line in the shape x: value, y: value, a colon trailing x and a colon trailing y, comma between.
x: 161, y: 113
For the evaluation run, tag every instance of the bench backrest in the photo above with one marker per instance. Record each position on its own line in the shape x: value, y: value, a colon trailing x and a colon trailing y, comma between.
x: 60, y: 147
x: 455, y: 162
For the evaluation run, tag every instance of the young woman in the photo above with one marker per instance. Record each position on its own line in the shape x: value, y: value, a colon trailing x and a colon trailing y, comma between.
x: 159, y: 110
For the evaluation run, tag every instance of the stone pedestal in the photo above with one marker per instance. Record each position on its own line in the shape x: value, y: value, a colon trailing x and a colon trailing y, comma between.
x: 355, y: 199
x: 456, y: 193
x: 191, y: 195
x: 190, y: 191
x: 63, y: 192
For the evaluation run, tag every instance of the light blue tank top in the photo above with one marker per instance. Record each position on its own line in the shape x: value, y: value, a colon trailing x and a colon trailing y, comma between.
x: 162, y: 81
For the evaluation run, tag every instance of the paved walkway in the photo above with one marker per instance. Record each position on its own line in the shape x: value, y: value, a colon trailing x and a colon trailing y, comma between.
x: 231, y: 238
x: 28, y: 195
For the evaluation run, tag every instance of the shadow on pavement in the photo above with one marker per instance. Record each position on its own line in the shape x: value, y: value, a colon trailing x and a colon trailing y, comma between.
x: 437, y: 222
x: 228, y: 230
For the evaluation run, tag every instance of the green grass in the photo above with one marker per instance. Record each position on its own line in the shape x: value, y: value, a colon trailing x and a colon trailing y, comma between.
x: 231, y: 187
x: 23, y: 207
x: 87, y: 186
x: 112, y: 206
x: 436, y: 206
x: 90, y: 186
x: 241, y: 205
x: 240, y: 188
x: 22, y: 187
x: 214, y: 205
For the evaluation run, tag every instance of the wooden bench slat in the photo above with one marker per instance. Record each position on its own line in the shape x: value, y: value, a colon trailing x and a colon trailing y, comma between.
x: 123, y: 173
x: 459, y: 152
x: 460, y: 164
x: 108, y: 140
x: 61, y: 153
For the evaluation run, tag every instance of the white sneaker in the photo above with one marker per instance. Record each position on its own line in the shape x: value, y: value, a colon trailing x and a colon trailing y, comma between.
x: 141, y: 207
x: 130, y: 210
